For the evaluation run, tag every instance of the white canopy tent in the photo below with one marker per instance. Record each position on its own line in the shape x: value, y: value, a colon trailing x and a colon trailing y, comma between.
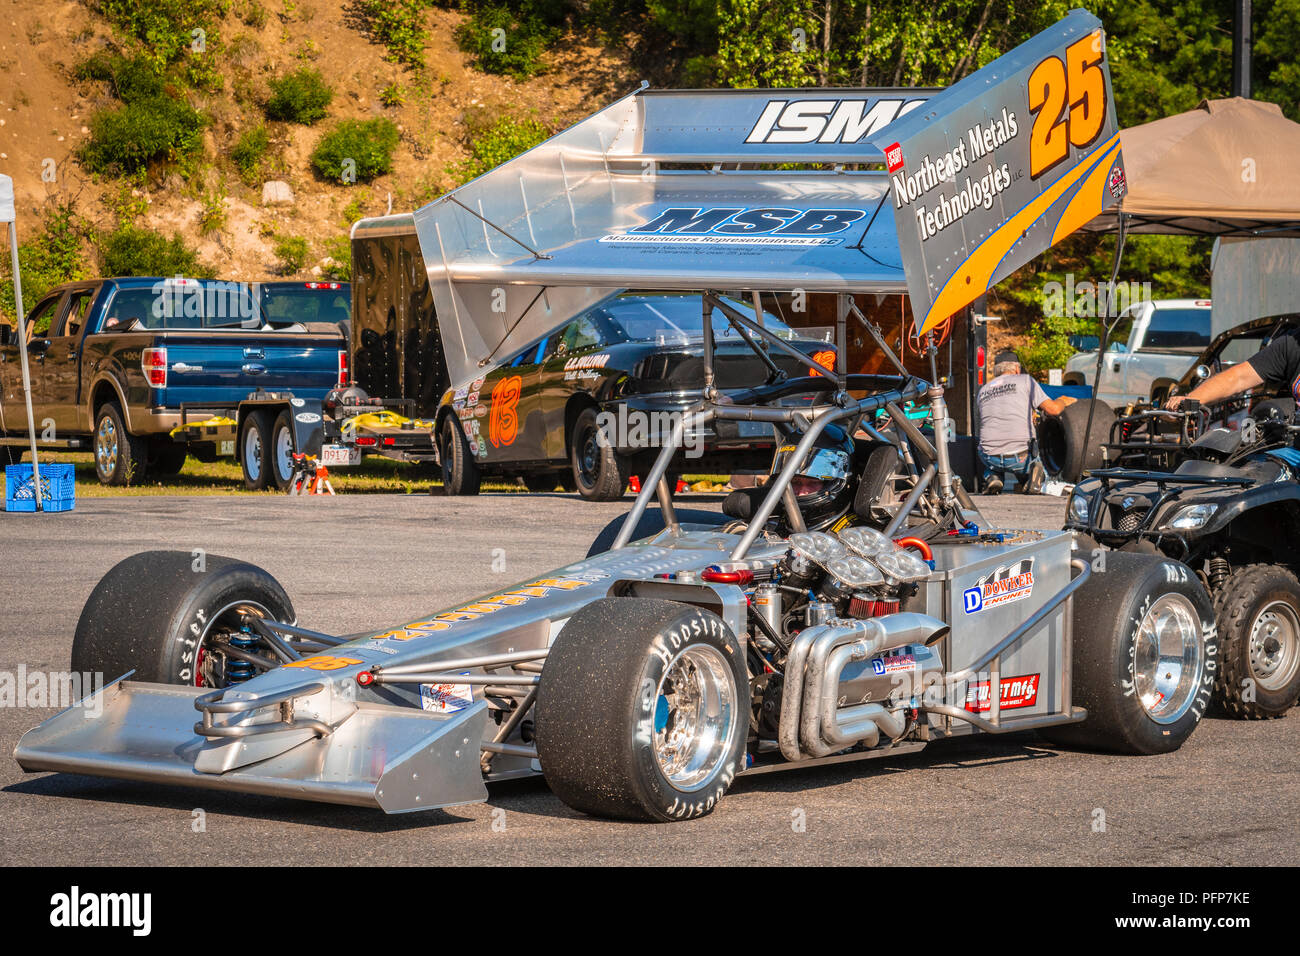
x: 8, y: 214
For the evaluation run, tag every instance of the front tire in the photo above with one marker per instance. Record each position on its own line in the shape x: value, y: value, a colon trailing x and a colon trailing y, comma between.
x: 1258, y: 609
x: 1145, y: 656
x: 642, y: 710
x: 164, y: 616
x: 120, y: 457
x: 599, y: 471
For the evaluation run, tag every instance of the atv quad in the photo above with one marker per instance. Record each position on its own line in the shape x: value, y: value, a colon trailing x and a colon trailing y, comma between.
x: 1227, y: 506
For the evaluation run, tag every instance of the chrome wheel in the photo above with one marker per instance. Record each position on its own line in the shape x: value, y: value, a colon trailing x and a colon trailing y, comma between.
x: 1275, y: 645
x: 695, y: 717
x: 253, y: 453
x: 106, y: 448
x: 1167, y: 658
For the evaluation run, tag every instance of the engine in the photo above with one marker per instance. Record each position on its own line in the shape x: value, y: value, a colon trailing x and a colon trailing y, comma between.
x: 835, y: 664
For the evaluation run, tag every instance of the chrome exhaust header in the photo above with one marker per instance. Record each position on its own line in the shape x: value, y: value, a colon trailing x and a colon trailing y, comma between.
x: 812, y: 724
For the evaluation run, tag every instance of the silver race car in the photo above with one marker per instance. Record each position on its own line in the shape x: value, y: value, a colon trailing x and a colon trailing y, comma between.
x: 688, y: 649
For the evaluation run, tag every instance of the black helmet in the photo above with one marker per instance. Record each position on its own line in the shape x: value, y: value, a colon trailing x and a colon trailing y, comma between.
x: 823, y: 485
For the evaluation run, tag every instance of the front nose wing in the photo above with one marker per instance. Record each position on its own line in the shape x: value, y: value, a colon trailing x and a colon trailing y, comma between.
x: 397, y: 759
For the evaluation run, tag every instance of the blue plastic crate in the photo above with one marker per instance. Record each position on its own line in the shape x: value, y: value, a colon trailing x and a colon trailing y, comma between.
x: 58, y: 488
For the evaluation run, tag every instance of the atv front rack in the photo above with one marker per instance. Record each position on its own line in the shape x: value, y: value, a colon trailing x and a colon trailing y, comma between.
x: 1163, y: 480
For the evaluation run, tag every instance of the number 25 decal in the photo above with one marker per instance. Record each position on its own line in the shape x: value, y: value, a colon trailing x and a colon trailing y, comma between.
x: 1068, y: 103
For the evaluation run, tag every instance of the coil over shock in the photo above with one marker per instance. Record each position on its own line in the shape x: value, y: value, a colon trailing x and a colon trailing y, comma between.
x: 1219, y: 569
x: 238, y: 671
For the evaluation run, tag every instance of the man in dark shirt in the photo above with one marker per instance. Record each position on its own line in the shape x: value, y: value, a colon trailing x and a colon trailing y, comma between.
x: 1278, y: 363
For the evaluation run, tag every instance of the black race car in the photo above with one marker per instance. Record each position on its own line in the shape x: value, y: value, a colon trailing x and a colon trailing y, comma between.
x: 589, y: 406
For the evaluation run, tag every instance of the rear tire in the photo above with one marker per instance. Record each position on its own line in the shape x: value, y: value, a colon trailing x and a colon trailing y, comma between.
x: 120, y: 457
x: 1258, y: 610
x: 651, y: 523
x: 255, y: 450
x: 153, y: 613
x: 1060, y: 439
x: 168, y: 459
x: 460, y: 472
x: 1140, y: 701
x: 599, y: 471
x: 281, y: 450
x: 642, y: 710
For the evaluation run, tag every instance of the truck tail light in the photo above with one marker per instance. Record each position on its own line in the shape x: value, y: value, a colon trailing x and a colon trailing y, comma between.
x: 153, y: 362
x: 979, y: 365
x: 343, y: 368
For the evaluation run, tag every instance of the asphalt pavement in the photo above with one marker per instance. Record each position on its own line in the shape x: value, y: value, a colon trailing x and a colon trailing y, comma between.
x: 1230, y: 796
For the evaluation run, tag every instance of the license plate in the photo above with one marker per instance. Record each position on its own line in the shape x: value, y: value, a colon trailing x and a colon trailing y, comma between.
x: 227, y: 448
x: 339, y: 455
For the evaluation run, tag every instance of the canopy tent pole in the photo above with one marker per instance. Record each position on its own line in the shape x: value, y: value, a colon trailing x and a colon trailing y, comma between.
x: 8, y: 214
x: 1107, y: 326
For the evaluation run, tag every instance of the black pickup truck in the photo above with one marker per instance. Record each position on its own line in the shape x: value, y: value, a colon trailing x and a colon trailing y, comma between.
x: 119, y: 365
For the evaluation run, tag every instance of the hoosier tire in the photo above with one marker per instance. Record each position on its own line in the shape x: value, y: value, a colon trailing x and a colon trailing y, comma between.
x: 1145, y: 657
x: 1258, y: 610
x: 154, y: 612
x: 651, y: 523
x: 642, y: 710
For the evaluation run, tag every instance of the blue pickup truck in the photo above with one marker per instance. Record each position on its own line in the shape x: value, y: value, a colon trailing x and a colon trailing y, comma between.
x: 123, y: 367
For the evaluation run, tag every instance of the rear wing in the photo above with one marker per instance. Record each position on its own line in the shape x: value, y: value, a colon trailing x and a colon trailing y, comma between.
x: 665, y: 190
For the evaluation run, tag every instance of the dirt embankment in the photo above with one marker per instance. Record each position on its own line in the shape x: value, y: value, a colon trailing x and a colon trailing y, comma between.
x: 45, y: 118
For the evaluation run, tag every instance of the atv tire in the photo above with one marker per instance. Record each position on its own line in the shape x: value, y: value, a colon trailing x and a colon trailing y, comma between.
x: 154, y: 612
x: 460, y: 472
x: 1060, y: 439
x: 651, y: 523
x: 1258, y: 610
x: 1138, y: 702
x: 642, y: 710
